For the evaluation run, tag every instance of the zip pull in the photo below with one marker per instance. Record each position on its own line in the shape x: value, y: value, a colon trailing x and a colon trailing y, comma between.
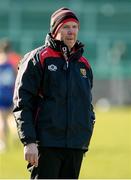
x: 67, y: 64
x: 64, y: 52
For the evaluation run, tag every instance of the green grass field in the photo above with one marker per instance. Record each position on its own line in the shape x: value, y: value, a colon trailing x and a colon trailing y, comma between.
x: 109, y: 155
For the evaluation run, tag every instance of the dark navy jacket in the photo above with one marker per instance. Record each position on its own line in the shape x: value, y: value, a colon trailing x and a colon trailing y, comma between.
x: 52, y: 97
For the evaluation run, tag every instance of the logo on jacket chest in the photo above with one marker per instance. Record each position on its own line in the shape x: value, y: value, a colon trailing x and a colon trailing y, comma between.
x: 83, y: 72
x: 52, y: 67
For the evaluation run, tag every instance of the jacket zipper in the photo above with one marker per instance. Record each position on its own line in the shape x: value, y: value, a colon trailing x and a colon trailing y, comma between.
x: 67, y: 101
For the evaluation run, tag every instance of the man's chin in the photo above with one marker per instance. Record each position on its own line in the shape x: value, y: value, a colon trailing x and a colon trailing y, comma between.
x: 70, y: 45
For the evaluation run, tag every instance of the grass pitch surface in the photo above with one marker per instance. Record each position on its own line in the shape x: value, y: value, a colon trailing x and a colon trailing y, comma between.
x: 109, y: 155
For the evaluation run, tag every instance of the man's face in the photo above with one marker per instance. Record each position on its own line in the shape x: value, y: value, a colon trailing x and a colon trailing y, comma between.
x: 68, y: 33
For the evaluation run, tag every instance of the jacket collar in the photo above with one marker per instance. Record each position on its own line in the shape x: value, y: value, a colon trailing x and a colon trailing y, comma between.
x: 59, y: 46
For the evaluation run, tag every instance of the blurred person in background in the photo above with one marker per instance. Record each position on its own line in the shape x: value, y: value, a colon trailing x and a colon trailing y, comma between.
x: 53, y: 102
x: 13, y: 56
x: 7, y: 80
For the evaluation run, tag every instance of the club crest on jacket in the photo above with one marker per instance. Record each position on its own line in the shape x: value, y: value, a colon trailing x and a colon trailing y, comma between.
x: 52, y: 67
x: 83, y: 72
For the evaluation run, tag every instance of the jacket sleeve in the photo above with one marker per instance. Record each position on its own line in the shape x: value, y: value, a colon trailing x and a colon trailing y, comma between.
x: 27, y: 87
x: 92, y: 108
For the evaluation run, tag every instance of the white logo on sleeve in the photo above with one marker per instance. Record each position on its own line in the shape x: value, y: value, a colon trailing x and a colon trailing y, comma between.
x: 52, y: 67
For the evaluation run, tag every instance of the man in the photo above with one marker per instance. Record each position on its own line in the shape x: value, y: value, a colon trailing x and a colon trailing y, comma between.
x: 52, y: 102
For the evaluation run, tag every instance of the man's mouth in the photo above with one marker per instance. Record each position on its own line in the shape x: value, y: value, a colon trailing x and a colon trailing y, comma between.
x: 69, y: 39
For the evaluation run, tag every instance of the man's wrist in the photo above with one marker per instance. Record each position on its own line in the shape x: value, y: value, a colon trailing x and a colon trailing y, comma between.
x: 29, y: 142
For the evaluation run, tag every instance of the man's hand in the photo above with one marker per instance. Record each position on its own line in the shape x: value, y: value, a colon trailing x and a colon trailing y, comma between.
x: 31, y: 154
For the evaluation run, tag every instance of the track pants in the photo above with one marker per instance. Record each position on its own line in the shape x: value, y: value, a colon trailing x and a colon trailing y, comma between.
x: 58, y: 163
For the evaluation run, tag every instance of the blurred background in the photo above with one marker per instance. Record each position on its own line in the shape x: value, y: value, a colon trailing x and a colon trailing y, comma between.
x: 105, y: 29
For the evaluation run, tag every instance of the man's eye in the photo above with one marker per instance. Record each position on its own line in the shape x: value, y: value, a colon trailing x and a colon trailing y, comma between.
x: 65, y: 27
x: 74, y: 27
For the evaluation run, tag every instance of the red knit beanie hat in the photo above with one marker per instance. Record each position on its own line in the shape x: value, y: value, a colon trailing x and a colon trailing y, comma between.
x: 60, y: 17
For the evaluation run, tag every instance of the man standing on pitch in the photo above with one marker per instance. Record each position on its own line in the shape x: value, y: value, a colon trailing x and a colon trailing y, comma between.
x: 53, y: 102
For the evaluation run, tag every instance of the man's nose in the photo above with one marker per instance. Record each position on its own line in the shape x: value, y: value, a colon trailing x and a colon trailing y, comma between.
x: 70, y: 31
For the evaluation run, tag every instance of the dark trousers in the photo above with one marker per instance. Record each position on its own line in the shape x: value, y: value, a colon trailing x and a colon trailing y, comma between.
x: 58, y: 163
